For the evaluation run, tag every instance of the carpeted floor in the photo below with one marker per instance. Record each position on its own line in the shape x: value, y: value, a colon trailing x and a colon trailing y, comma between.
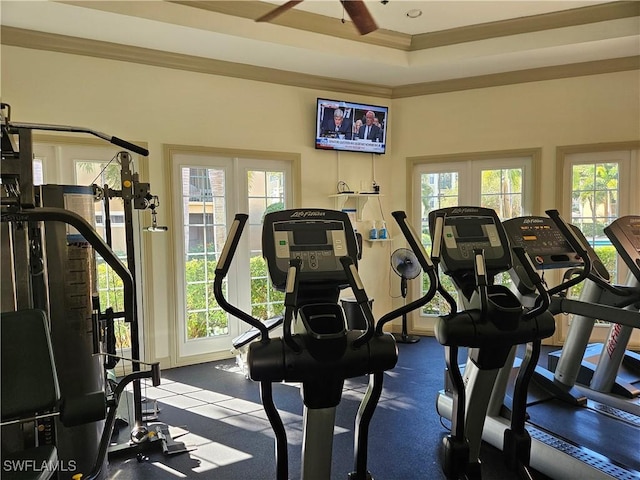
x: 230, y: 437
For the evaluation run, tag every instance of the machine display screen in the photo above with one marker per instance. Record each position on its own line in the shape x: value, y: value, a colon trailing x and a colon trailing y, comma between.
x: 310, y: 236
x: 469, y: 230
x: 543, y: 241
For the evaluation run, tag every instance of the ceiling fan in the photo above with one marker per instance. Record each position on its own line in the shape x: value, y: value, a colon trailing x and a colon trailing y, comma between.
x: 356, y: 9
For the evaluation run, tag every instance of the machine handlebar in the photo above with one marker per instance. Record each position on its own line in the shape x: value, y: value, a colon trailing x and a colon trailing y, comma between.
x: 231, y: 244
x: 291, y: 302
x: 569, y: 234
x: 480, y: 272
x: 426, y: 264
x: 577, y: 245
x: 436, y: 249
x: 222, y: 268
x: 65, y: 128
x: 413, y: 240
x: 543, y: 301
x: 361, y: 298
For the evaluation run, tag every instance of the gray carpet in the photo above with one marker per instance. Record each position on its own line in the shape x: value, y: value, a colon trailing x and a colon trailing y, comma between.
x: 231, y: 439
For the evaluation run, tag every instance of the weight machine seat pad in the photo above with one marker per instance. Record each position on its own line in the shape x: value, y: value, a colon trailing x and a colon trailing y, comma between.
x: 88, y: 408
x: 39, y: 463
x: 29, y: 380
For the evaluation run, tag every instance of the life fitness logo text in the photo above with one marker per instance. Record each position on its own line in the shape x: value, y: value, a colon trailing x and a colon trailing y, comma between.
x: 527, y: 221
x: 307, y: 214
x: 456, y: 211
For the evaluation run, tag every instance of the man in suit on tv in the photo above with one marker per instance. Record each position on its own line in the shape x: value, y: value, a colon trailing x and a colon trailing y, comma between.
x: 338, y: 126
x: 370, y: 131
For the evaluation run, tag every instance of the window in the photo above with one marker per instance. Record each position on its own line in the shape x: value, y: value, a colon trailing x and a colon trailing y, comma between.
x: 594, y: 204
x: 110, y: 287
x: 203, y: 202
x: 598, y: 186
x: 265, y: 194
x: 501, y: 190
x: 595, y: 182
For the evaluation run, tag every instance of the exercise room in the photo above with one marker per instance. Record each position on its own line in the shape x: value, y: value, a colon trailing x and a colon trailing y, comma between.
x: 320, y: 240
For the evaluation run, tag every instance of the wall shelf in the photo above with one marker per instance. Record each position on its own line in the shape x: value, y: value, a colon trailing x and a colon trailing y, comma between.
x: 361, y: 200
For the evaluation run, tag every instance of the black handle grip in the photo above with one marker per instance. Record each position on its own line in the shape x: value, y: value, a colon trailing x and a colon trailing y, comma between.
x: 222, y: 268
x: 527, y: 264
x: 543, y: 301
x: 361, y: 297
x: 577, y: 245
x: 413, y: 240
x: 231, y: 244
x: 480, y: 270
x: 67, y: 128
x: 427, y: 267
x: 567, y: 231
x: 130, y: 146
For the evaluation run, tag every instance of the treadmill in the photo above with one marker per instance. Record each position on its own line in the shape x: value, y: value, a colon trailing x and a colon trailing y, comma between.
x: 615, y: 360
x: 605, y: 372
x: 573, y: 436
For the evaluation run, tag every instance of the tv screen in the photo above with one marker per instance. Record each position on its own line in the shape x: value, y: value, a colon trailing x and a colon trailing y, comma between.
x: 351, y: 127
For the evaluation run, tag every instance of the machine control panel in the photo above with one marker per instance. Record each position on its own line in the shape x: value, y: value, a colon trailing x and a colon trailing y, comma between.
x: 469, y: 228
x: 318, y: 238
x: 543, y: 241
x: 624, y: 233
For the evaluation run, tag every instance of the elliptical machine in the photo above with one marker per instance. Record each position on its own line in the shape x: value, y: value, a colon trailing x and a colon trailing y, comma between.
x: 311, y: 255
x: 473, y: 249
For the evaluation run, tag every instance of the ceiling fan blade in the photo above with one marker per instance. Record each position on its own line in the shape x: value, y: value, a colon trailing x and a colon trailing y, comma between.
x: 360, y: 16
x: 278, y: 11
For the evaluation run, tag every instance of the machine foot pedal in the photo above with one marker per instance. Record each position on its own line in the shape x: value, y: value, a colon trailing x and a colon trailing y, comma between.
x: 169, y: 445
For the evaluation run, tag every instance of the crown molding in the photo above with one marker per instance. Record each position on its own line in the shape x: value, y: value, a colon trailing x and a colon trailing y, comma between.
x: 519, y: 76
x: 18, y: 37
x: 534, y: 23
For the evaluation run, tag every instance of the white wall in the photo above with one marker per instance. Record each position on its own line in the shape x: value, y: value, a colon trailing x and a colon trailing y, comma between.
x: 582, y: 110
x: 162, y: 106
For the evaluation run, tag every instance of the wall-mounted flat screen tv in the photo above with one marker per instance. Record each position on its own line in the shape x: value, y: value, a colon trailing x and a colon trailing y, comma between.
x: 351, y: 127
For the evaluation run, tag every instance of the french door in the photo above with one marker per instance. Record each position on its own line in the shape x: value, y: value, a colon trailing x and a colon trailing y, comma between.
x: 209, y: 189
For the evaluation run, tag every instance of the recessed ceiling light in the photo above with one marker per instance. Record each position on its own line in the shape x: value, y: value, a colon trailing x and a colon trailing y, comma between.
x: 414, y: 13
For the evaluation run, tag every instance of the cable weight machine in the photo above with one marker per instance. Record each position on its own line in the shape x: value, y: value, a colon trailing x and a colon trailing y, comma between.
x: 42, y: 234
